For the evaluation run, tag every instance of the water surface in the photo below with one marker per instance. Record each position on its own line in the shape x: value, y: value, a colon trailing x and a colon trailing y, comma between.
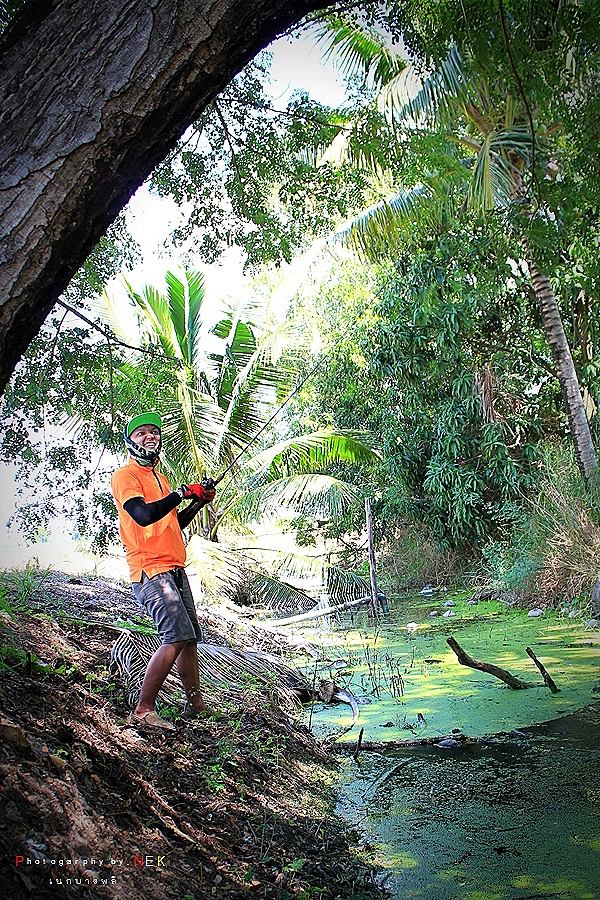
x: 517, y: 818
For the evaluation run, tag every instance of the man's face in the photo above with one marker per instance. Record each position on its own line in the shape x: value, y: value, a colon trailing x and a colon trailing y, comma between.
x: 146, y: 436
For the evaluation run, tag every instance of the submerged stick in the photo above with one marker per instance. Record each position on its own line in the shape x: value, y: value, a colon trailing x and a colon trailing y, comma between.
x: 358, y: 744
x: 465, y: 660
x: 379, y: 782
x: 548, y: 680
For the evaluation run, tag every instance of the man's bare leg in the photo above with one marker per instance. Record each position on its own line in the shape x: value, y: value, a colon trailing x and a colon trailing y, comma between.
x: 160, y: 665
x: 187, y: 666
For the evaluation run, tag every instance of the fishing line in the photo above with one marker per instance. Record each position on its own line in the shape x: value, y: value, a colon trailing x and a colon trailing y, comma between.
x: 300, y: 385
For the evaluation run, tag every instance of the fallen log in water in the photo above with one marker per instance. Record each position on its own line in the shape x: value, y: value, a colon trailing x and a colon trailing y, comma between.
x: 315, y: 613
x: 465, y: 660
x: 460, y: 739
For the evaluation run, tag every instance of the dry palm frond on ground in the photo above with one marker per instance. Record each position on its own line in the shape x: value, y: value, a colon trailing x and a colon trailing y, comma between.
x: 224, y: 673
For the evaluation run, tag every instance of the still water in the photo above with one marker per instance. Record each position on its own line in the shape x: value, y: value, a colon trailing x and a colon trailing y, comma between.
x: 513, y: 818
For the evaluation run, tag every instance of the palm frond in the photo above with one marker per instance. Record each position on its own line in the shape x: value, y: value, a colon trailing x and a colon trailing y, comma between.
x: 258, y: 384
x: 284, y: 577
x: 311, y: 452
x: 362, y: 146
x: 358, y: 50
x: 222, y: 568
x: 277, y: 595
x: 385, y: 224
x: 177, y: 302
x: 313, y: 573
x: 411, y: 99
x: 225, y: 674
x: 190, y: 439
x: 343, y: 585
x: 183, y: 321
x: 270, y: 578
x: 120, y: 317
x: 194, y: 324
x: 481, y: 188
x: 318, y: 496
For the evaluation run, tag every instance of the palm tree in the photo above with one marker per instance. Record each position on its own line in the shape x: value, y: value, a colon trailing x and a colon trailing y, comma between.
x: 495, y: 129
x: 226, y: 380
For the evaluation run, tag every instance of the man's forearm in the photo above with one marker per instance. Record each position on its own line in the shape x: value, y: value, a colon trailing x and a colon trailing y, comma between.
x: 145, y: 514
x: 185, y: 516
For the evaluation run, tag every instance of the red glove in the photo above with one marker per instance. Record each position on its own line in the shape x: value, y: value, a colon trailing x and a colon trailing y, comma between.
x: 203, y: 492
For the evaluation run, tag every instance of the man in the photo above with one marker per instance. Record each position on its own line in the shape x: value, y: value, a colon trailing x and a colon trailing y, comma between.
x: 150, y: 528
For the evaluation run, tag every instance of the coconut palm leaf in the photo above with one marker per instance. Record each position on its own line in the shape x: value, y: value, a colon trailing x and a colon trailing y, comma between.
x: 240, y: 345
x: 185, y: 298
x: 178, y: 307
x: 224, y: 673
x: 277, y: 595
x: 155, y: 309
x: 318, y: 496
x: 314, y: 451
x: 284, y: 577
x: 121, y: 318
x: 228, y: 573
x: 391, y: 222
x: 252, y: 391
x: 386, y: 215
x: 174, y: 318
x: 482, y: 191
x: 354, y: 49
x: 315, y: 572
x: 434, y: 99
x: 190, y: 439
x: 222, y: 567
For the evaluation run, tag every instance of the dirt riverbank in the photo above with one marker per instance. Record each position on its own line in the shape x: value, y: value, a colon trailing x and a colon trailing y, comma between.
x: 234, y: 805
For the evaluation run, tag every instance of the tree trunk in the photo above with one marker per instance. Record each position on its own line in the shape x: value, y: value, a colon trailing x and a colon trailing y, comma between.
x: 93, y: 95
x: 566, y: 374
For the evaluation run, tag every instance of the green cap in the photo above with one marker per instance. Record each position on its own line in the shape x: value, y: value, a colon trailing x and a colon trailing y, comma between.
x: 147, y: 418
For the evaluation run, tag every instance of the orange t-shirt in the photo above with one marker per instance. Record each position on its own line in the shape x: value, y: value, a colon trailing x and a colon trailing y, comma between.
x: 151, y: 548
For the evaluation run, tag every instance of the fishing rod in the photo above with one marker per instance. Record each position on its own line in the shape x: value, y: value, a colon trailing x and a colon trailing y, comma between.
x: 210, y: 483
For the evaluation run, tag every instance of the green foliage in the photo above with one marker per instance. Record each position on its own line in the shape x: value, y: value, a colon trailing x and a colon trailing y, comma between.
x: 17, y: 659
x: 5, y: 606
x: 438, y: 361
x: 20, y: 585
x: 247, y: 170
x: 451, y: 366
x: 59, y: 408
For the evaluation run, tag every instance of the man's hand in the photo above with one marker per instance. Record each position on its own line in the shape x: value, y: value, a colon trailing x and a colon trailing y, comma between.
x: 200, y: 492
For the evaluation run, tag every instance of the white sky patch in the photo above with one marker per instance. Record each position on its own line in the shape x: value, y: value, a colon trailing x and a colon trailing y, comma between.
x: 297, y: 64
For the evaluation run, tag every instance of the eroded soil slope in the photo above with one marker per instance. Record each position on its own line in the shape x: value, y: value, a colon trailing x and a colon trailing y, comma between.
x: 235, y: 805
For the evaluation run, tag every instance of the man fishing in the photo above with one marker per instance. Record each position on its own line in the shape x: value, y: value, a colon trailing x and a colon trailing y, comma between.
x: 150, y: 527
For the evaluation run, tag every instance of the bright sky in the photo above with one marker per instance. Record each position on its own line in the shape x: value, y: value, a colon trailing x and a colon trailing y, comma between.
x: 296, y: 65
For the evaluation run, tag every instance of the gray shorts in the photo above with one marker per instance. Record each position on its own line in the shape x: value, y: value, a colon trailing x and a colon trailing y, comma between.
x: 167, y: 597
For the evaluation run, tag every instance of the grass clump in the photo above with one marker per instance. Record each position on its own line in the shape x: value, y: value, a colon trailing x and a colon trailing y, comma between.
x: 553, y: 551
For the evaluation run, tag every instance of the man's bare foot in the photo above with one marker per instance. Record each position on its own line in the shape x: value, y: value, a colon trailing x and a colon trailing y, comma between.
x: 195, y: 702
x: 149, y: 719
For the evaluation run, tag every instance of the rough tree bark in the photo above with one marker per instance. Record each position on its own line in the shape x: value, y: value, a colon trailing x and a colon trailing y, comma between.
x: 566, y: 374
x: 93, y: 95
